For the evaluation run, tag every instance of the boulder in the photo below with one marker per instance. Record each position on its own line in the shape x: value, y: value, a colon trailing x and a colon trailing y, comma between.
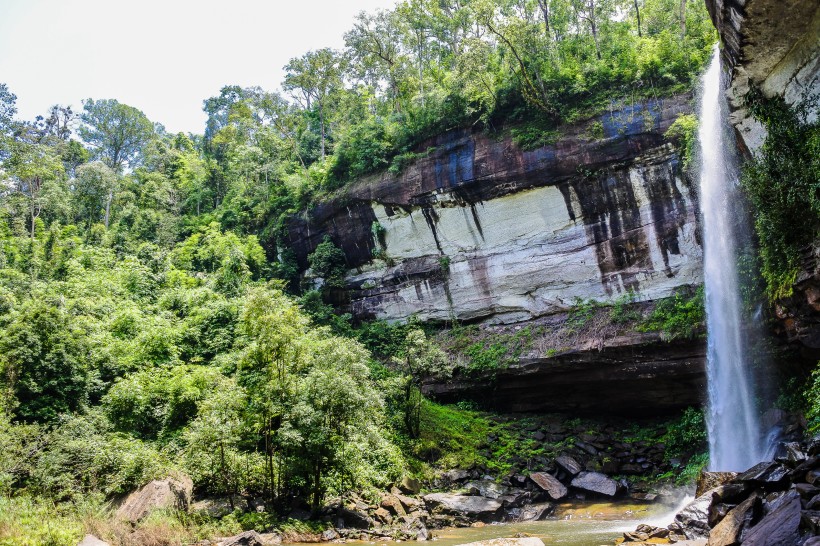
x: 779, y: 527
x: 416, y: 529
x: 216, y: 508
x: 535, y: 512
x: 596, y: 482
x: 806, y: 491
x: 465, y: 506
x: 248, y: 538
x: 330, y: 534
x: 91, y: 540
x: 456, y: 475
x: 550, y: 484
x: 354, y: 518
x: 410, y: 485
x: 487, y: 488
x: 158, y: 494
x: 568, y: 465
x: 728, y: 531
x: 526, y: 541
x: 393, y: 504
x: 693, y: 520
x: 766, y: 474
x: 710, y: 480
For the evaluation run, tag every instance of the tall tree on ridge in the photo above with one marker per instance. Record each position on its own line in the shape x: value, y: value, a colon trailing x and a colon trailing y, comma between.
x: 312, y: 79
x: 117, y: 134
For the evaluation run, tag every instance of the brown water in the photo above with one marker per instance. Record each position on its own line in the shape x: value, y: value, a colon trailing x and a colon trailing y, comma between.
x: 572, y: 525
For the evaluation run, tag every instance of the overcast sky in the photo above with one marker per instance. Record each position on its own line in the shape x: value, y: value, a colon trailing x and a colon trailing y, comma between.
x: 162, y: 56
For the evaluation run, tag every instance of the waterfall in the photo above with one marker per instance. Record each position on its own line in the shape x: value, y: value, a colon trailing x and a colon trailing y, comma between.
x: 734, y: 431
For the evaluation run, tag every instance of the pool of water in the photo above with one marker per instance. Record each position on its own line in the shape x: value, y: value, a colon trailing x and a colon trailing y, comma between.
x: 572, y: 525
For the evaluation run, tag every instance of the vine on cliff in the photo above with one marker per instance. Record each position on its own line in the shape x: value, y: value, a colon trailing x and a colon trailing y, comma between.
x: 783, y: 184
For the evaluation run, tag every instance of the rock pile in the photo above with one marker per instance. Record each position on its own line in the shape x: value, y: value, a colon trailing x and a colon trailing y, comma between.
x: 775, y: 503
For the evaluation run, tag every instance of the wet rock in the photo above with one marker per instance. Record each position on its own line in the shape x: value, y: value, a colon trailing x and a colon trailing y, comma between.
x: 472, y: 507
x: 693, y: 520
x: 795, y: 453
x: 778, y: 528
x: 248, y: 538
x: 535, y: 512
x: 595, y: 482
x: 539, y: 436
x: 728, y: 531
x: 583, y: 446
x: 810, y: 519
x: 568, y: 465
x: 91, y: 540
x: 767, y: 474
x: 806, y: 491
x: 550, y: 484
x: 158, y: 494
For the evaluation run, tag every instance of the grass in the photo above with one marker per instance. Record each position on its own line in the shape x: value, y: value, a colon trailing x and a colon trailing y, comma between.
x: 37, y: 521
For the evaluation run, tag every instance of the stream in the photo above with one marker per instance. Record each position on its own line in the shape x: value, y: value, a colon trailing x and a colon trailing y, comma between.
x: 592, y: 524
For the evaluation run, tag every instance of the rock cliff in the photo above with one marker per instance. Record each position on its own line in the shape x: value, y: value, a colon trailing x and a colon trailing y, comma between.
x: 480, y: 230
x: 772, y: 44
x: 775, y: 45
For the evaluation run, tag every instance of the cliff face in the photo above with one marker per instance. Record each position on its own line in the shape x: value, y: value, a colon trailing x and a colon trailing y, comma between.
x: 773, y: 44
x: 481, y: 230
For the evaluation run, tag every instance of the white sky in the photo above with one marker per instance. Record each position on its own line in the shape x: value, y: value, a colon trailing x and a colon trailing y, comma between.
x: 161, y: 56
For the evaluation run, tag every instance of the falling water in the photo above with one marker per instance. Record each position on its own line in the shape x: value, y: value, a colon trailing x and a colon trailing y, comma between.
x: 734, y: 431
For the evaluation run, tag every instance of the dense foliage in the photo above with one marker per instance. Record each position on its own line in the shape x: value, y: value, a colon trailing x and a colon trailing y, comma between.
x: 783, y: 183
x: 148, y: 320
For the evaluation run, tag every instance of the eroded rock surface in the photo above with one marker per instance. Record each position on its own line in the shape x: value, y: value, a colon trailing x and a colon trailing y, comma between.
x: 168, y: 493
x: 481, y: 230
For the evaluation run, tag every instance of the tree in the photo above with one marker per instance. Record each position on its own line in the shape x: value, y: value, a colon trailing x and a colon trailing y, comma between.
x: 43, y: 360
x: 421, y: 358
x: 313, y: 78
x: 8, y: 108
x: 374, y: 46
x: 35, y: 173
x: 116, y: 132
x: 94, y: 183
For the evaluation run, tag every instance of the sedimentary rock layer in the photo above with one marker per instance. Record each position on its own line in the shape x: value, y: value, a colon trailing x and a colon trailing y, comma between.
x: 637, y: 374
x: 480, y: 230
x: 772, y: 44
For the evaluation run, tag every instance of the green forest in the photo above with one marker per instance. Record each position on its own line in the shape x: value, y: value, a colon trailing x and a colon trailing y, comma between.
x: 152, y: 316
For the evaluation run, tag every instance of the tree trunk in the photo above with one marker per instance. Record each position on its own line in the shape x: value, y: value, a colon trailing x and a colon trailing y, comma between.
x: 594, y: 29
x: 108, y: 207
x: 683, y: 18
x: 322, y: 124
x: 545, y: 12
x: 638, y: 14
